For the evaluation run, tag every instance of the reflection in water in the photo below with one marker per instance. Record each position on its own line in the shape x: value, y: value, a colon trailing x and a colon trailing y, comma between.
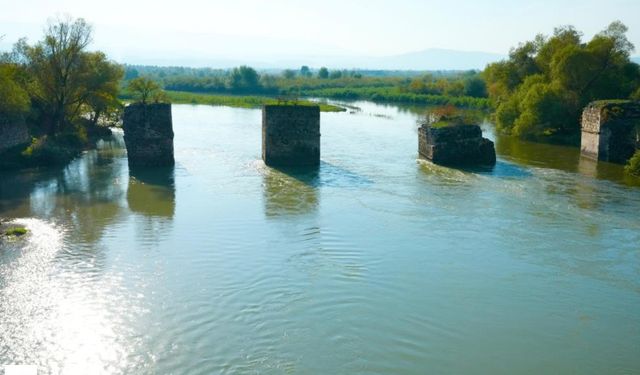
x: 152, y: 191
x: 86, y: 195
x: 290, y: 191
x: 538, y: 154
x: 562, y: 158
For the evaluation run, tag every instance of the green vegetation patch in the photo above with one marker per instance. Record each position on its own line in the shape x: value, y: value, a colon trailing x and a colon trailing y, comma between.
x: 240, y: 101
x: 16, y: 232
x: 633, y: 165
x: 541, y: 90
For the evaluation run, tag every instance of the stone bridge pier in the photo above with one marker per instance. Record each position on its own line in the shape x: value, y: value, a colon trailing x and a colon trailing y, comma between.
x: 610, y: 130
x: 291, y: 135
x: 148, y: 134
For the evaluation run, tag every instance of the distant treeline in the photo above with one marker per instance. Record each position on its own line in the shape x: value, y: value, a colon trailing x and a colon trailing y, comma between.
x: 465, y: 89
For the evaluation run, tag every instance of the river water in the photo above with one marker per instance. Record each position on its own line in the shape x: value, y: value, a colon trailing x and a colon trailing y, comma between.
x: 374, y: 263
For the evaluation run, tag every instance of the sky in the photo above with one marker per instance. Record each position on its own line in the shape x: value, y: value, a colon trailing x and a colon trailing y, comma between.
x: 139, y: 31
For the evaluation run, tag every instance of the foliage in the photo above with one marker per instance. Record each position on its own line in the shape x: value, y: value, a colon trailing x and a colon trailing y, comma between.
x: 448, y: 115
x: 633, y: 165
x: 102, y: 81
x: 397, y: 95
x: 16, y: 231
x: 14, y: 100
x: 323, y: 73
x: 144, y: 90
x: 463, y: 89
x: 63, y: 92
x: 65, y: 81
x: 305, y: 71
x: 244, y: 79
x: 289, y: 74
x: 540, y: 90
x: 238, y: 101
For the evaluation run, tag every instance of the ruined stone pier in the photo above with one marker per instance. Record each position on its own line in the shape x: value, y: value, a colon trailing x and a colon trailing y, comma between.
x: 610, y: 130
x: 148, y: 134
x: 455, y: 145
x: 291, y: 135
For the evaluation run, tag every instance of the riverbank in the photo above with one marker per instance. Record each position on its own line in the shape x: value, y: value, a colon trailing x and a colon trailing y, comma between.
x: 48, y: 151
x: 393, y: 95
x: 235, y: 101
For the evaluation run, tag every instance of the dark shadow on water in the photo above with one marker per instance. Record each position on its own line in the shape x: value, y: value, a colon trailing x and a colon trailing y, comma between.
x: 294, y: 190
x: 325, y: 174
x: 565, y: 158
x: 290, y: 190
x: 152, y: 191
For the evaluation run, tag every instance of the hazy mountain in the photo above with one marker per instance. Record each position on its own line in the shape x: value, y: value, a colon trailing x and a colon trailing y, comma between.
x: 636, y: 59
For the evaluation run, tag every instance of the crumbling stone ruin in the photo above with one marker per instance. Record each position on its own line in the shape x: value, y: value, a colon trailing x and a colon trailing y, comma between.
x: 610, y: 130
x: 455, y: 145
x: 148, y: 134
x: 291, y: 135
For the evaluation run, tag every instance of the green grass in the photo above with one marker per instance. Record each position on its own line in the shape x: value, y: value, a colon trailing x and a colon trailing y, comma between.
x: 182, y: 97
x: 395, y: 95
x: 17, y: 231
x: 441, y: 124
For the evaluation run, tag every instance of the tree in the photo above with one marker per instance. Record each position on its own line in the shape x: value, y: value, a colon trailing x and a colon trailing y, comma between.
x: 131, y: 73
x: 55, y: 64
x: 476, y: 87
x: 323, y: 73
x: 102, y: 84
x: 14, y: 100
x: 305, y: 71
x: 336, y: 74
x: 144, y: 89
x: 289, y: 74
x: 244, y: 79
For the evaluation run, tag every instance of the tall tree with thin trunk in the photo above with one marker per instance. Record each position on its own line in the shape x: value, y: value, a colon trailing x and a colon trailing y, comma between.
x: 56, y: 64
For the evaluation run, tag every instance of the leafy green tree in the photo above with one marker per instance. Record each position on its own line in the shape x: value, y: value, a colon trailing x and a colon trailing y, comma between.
x: 145, y: 89
x: 289, y: 74
x: 323, y: 73
x: 336, y: 74
x: 102, y: 84
x: 244, y: 79
x: 14, y: 100
x: 633, y: 165
x: 475, y: 87
x: 131, y: 73
x: 55, y: 65
x: 305, y: 71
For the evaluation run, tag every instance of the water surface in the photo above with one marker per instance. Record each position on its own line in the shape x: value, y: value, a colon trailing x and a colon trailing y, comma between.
x: 373, y: 263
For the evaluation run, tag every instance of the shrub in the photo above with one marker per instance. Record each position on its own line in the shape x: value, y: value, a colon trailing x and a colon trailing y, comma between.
x: 633, y: 165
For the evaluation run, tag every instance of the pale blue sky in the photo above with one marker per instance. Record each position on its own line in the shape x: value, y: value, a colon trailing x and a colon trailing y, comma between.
x: 260, y: 30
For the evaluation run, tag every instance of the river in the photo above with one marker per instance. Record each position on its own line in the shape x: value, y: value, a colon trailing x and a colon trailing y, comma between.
x: 374, y: 263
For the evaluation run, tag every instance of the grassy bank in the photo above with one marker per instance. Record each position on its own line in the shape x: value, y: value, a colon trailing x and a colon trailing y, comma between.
x: 238, y: 101
x: 395, y: 95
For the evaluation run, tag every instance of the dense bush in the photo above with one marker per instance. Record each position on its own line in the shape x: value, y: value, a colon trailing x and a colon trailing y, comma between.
x: 633, y: 166
x: 541, y: 89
